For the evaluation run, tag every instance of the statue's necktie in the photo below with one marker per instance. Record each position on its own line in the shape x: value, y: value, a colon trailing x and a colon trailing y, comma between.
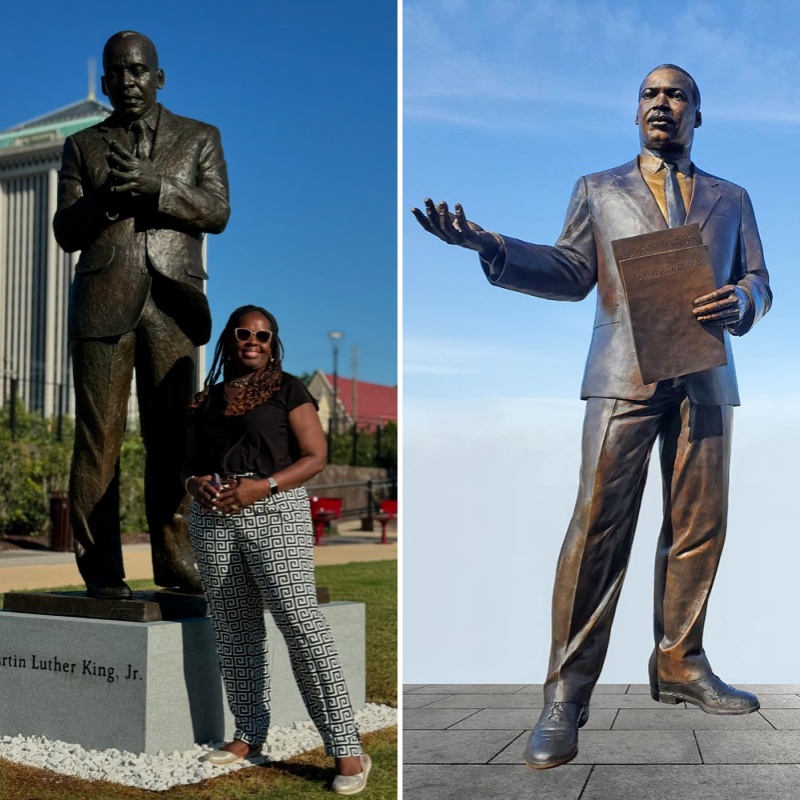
x: 676, y: 211
x: 141, y: 140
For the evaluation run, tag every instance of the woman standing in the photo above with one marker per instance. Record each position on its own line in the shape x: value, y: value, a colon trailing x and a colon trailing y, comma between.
x: 252, y: 534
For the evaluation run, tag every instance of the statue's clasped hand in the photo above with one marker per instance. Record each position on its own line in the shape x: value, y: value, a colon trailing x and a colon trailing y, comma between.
x: 132, y: 174
x: 725, y: 306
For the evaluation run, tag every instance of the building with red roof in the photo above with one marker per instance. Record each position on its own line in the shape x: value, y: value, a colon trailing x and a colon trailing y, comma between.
x: 369, y: 405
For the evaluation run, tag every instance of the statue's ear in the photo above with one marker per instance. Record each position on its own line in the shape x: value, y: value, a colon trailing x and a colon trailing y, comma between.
x: 698, y: 119
x: 160, y: 79
x: 103, y: 87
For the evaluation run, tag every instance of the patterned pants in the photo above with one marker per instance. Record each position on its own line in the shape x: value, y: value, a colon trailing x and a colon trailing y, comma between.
x: 265, y: 552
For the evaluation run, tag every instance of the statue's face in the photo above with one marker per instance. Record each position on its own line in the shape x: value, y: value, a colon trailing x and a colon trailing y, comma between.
x: 667, y: 113
x: 132, y: 77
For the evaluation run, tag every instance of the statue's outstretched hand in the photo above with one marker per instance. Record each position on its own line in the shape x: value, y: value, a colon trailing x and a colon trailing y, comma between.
x: 455, y: 228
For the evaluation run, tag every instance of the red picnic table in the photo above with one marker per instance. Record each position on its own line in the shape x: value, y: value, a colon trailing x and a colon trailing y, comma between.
x: 323, y: 510
x: 387, y: 513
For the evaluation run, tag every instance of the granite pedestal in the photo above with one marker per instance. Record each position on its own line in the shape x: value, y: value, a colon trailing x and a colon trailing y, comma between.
x: 143, y: 686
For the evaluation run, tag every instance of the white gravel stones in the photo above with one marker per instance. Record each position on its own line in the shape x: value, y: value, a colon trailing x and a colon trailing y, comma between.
x: 162, y: 771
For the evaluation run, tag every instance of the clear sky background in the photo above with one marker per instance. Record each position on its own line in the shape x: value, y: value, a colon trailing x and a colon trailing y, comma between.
x: 506, y: 103
x: 305, y: 95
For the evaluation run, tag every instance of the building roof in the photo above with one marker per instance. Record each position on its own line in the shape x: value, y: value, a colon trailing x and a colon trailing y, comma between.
x: 56, y: 124
x: 375, y: 402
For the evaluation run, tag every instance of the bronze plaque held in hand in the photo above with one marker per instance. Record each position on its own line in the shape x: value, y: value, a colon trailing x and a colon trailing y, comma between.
x: 662, y: 273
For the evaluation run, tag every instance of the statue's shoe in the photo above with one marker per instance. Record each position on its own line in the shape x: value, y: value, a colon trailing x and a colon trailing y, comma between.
x: 118, y: 590
x: 180, y: 575
x: 554, y: 739
x: 710, y: 693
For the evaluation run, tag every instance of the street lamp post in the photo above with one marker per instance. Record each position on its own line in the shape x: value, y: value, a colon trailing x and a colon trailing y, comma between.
x: 334, y: 336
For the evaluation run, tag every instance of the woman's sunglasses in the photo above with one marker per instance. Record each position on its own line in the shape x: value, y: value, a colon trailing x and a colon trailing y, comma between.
x: 245, y: 335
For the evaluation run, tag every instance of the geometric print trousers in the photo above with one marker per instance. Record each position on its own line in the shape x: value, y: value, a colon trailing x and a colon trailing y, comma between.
x: 264, y: 552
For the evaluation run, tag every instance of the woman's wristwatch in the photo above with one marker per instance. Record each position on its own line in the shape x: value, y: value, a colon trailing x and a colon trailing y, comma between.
x: 273, y: 485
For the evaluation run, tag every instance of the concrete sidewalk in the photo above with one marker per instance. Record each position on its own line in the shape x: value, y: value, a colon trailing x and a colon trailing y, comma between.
x: 464, y: 741
x: 42, y: 569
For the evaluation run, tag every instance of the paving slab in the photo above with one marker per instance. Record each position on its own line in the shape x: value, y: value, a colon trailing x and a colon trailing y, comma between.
x: 652, y: 751
x: 455, y: 747
x: 421, y: 700
x: 531, y: 688
x: 632, y: 747
x: 750, y: 747
x: 469, y: 688
x: 779, y: 700
x: 687, y: 719
x: 706, y: 782
x: 508, y: 718
x: 628, y: 701
x: 784, y: 719
x: 425, y: 782
x: 601, y: 688
x: 409, y: 687
x: 426, y: 719
x: 484, y: 701
x: 621, y: 747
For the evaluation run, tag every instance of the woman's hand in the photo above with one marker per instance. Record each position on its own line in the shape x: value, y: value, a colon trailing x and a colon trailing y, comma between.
x: 202, y: 489
x: 244, y: 492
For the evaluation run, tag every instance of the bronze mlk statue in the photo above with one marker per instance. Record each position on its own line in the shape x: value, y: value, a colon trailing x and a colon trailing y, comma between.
x: 690, y: 415
x: 136, y: 195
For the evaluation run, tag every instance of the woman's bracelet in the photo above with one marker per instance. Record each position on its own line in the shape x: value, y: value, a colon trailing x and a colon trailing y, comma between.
x: 186, y: 483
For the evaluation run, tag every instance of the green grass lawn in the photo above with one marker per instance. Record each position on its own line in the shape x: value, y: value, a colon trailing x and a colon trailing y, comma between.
x: 307, y: 775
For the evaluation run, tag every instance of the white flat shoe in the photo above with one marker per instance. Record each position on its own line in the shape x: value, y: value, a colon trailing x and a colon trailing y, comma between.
x: 222, y: 758
x: 353, y: 784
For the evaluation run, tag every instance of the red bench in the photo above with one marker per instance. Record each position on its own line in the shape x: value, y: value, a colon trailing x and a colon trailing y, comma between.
x: 323, y: 510
x: 387, y: 513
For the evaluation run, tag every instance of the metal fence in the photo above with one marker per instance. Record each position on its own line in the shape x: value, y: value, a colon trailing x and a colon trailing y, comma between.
x: 362, y: 499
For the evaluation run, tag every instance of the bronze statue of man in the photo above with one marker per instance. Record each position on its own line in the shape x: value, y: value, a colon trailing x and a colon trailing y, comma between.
x: 689, y: 415
x: 136, y: 195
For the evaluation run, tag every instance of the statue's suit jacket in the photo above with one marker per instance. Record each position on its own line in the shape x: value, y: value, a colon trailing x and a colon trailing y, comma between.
x: 616, y: 204
x: 123, y: 238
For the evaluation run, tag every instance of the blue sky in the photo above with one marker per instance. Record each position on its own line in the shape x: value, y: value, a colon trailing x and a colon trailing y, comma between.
x: 305, y: 95
x: 506, y: 103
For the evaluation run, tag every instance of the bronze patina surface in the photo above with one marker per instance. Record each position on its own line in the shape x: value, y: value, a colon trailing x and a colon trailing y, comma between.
x: 137, y: 193
x: 689, y: 415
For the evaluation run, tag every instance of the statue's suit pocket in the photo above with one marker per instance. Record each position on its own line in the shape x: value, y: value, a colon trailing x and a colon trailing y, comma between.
x: 95, y: 258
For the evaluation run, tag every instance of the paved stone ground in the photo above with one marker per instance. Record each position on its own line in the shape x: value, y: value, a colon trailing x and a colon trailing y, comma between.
x: 43, y: 569
x: 465, y: 742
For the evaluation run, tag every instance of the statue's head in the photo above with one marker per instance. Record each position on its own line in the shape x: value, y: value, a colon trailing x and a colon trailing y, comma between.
x: 132, y: 77
x: 669, y: 110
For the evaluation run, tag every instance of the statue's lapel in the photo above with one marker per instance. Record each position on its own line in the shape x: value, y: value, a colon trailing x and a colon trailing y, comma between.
x: 630, y: 183
x: 166, y: 136
x: 705, y: 196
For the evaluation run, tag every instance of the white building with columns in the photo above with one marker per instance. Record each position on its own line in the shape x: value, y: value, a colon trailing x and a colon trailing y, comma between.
x: 35, y: 274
